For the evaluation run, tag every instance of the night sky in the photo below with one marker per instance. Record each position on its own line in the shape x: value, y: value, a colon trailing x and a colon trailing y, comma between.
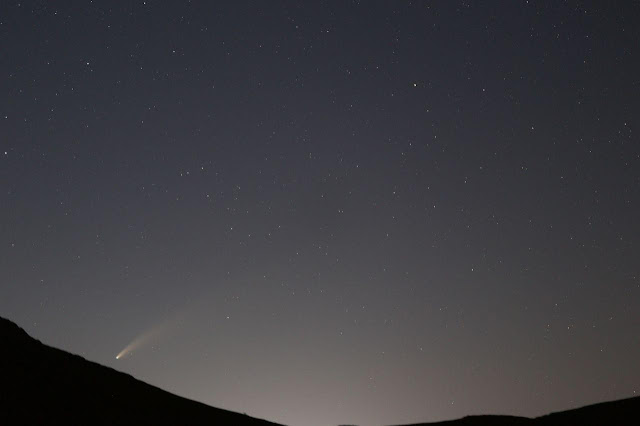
x: 332, y: 211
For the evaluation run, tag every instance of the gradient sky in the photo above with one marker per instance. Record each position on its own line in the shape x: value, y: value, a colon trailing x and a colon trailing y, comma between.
x: 332, y: 211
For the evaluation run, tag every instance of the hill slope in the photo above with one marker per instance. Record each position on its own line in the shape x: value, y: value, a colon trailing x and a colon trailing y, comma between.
x: 43, y: 385
x: 620, y: 413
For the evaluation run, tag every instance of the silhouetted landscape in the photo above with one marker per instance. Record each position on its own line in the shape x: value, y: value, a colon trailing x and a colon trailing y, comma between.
x: 621, y: 412
x: 45, y: 385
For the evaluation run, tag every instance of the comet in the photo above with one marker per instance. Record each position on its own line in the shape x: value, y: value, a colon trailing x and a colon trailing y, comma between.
x: 147, y: 337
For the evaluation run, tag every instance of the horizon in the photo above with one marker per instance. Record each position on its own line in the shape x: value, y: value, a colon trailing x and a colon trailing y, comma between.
x: 621, y: 410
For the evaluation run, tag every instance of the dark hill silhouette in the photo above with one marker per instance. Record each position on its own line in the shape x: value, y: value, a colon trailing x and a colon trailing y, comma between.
x: 43, y: 385
x: 620, y: 413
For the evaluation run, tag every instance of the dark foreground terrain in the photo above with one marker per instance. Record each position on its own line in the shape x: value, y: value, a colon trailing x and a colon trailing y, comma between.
x: 615, y: 413
x: 43, y: 385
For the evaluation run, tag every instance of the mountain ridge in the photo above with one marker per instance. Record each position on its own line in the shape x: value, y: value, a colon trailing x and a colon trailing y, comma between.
x: 618, y: 412
x: 41, y: 384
